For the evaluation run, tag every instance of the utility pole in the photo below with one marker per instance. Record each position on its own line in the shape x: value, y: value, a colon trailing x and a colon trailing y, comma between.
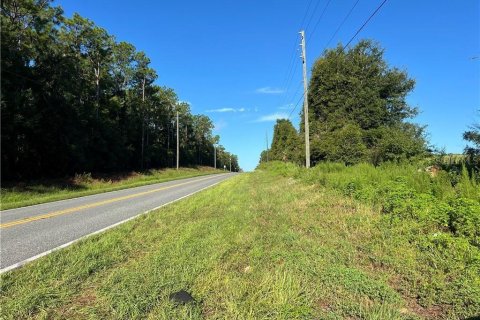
x: 305, y: 102
x: 178, y: 145
x: 97, y: 83
x: 230, y: 164
x: 215, y: 156
x: 143, y: 117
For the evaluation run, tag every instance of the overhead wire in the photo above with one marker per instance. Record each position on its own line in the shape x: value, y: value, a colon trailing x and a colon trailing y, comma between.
x: 306, y: 13
x: 292, y: 58
x: 319, y: 19
x: 296, y: 105
x: 313, y: 14
x: 311, y: 34
x: 366, y: 22
x: 341, y: 24
x: 358, y: 30
x: 291, y: 70
x: 336, y: 32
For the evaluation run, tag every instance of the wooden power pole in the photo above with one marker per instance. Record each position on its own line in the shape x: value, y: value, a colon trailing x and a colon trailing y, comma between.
x: 178, y: 145
x: 305, y: 102
x: 143, y: 119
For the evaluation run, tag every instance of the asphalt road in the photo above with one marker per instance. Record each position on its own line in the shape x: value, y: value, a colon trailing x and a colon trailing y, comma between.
x: 29, y: 232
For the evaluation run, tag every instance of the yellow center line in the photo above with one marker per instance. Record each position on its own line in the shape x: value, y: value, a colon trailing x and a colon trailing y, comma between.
x: 91, y: 205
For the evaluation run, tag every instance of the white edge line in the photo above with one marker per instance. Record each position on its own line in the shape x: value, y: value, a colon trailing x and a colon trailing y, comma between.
x: 21, y: 263
x: 105, y: 192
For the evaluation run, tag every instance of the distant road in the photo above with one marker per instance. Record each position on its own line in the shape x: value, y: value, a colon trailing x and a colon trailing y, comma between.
x: 30, y: 232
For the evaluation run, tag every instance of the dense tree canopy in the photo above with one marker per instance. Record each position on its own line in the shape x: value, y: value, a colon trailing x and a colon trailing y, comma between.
x: 74, y: 99
x: 285, y: 143
x: 358, y: 108
x: 357, y: 112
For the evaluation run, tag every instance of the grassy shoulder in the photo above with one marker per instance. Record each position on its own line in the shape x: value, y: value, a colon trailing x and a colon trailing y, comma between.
x: 258, y: 246
x: 25, y: 194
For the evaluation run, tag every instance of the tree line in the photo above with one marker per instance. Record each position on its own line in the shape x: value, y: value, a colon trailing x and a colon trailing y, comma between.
x: 358, y: 113
x: 76, y: 100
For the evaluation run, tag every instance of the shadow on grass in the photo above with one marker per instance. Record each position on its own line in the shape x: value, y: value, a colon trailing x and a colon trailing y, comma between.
x: 43, y: 186
x: 79, y: 182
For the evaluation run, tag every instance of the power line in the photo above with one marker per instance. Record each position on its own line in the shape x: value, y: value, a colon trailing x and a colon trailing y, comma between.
x: 341, y: 24
x: 296, y: 105
x: 311, y: 17
x: 319, y: 19
x: 290, y: 73
x: 314, y: 29
x: 306, y: 13
x: 285, y: 99
x: 360, y: 29
x: 296, y: 91
x: 314, y: 96
x: 293, y: 96
x: 290, y: 65
x: 348, y: 43
x: 291, y: 70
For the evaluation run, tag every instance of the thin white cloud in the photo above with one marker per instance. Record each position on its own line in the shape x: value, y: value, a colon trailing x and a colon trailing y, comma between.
x: 219, y: 125
x: 227, y: 110
x: 269, y: 90
x: 222, y: 110
x: 286, y: 107
x: 272, y: 117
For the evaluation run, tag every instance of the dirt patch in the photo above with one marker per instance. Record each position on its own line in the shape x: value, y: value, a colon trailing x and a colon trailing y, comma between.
x: 431, y: 312
x: 412, y: 305
x: 324, y: 305
x: 69, y: 310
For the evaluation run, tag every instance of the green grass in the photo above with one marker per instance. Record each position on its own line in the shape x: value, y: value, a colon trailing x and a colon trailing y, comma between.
x: 257, y: 246
x: 25, y: 194
x: 441, y: 202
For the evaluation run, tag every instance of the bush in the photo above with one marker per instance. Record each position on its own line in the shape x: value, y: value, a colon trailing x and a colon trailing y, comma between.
x: 83, y: 178
x: 402, y: 191
x: 465, y: 219
x: 404, y: 202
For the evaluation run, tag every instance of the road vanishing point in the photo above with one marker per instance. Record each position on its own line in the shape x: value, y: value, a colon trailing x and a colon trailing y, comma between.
x: 31, y: 232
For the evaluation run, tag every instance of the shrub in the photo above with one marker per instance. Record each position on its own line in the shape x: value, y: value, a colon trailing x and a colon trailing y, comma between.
x: 82, y: 178
x: 449, y: 203
x: 465, y: 219
x: 404, y: 202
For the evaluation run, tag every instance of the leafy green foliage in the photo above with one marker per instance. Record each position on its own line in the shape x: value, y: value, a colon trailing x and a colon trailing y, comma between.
x: 285, y: 143
x: 428, y: 227
x: 358, y: 108
x: 465, y: 218
x: 403, y: 192
x: 344, y: 145
x: 357, y: 111
x: 76, y: 100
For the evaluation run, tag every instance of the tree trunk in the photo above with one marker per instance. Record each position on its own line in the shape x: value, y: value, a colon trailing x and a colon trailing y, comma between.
x: 97, y: 82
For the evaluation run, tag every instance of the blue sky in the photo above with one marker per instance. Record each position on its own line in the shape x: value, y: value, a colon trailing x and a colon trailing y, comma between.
x: 230, y: 59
